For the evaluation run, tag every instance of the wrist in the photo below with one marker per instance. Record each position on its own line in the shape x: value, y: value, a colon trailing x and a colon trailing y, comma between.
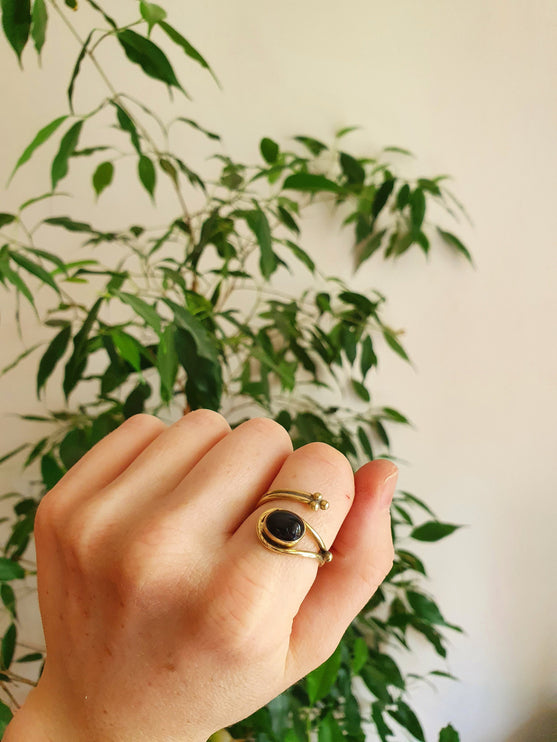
x: 26, y: 725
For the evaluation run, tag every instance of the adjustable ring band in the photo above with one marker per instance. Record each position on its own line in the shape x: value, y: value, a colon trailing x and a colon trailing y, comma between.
x: 282, y: 530
x: 314, y: 500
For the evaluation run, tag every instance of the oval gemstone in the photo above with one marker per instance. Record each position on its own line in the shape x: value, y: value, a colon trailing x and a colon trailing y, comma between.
x: 284, y: 525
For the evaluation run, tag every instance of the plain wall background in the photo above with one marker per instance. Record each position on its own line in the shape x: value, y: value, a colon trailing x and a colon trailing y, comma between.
x: 470, y: 88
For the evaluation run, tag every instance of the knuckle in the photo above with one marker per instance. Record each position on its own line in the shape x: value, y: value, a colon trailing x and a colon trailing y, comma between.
x: 207, y: 417
x: 146, y: 422
x: 265, y: 426
x: 328, y: 456
x: 85, y: 538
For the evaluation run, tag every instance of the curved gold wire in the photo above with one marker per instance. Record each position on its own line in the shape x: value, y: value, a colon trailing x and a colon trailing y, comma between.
x: 281, y: 547
x: 314, y: 500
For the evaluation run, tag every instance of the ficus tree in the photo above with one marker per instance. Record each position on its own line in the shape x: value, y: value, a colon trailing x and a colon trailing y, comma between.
x: 203, y: 321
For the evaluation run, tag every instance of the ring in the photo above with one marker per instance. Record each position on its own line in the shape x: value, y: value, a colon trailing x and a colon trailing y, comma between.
x: 281, y: 530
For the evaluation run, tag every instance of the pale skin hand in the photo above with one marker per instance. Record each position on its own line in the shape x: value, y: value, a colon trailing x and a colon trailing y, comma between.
x: 165, y: 619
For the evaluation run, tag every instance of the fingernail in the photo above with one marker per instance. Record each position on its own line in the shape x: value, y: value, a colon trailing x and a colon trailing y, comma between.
x: 388, y: 489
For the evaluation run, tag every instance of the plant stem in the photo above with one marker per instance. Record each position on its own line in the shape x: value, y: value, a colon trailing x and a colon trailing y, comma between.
x: 117, y: 97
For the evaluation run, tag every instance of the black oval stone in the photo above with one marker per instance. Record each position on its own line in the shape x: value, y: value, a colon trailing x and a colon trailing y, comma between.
x: 284, y: 525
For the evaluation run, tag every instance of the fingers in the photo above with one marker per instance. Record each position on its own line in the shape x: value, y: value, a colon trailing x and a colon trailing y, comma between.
x: 107, y: 460
x: 225, y: 485
x: 255, y: 587
x: 363, y: 555
x: 169, y: 458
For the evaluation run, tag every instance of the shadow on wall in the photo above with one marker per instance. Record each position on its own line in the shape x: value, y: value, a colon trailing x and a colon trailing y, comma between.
x: 541, y: 727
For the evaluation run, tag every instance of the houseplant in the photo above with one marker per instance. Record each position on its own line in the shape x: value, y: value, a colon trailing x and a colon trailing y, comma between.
x: 191, y: 314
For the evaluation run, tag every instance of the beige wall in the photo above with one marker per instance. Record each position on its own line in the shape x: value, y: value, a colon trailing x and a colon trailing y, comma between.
x: 470, y: 87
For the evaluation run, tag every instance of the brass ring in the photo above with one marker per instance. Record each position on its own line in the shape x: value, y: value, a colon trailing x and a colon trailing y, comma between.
x: 314, y: 500
x: 282, y: 530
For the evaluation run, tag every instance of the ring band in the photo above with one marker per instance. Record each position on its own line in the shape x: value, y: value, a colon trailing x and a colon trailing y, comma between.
x: 281, y: 530
x: 314, y: 500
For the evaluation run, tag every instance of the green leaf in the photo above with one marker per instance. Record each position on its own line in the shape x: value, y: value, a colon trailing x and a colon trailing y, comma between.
x: 353, y: 170
x: 71, y: 4
x: 300, y: 254
x: 39, y: 18
x: 102, y: 177
x: 128, y: 347
x: 411, y: 561
x: 135, y: 401
x: 365, y: 443
x: 191, y: 52
x: 417, y: 208
x: 403, y: 197
x: 8, y: 647
x: 51, y: 471
x: 395, y: 415
x: 37, y: 270
x: 50, y: 257
x: 140, y: 307
x: 67, y: 146
x: 425, y: 608
x: 13, y: 277
x: 31, y: 657
x: 259, y: 225
x: 152, y: 14
x: 433, y: 531
x: 21, y: 356
x: 393, y: 343
x: 288, y: 220
x: 73, y: 446
x: 329, y: 730
x: 45, y: 133
x: 77, y: 67
x: 321, y: 680
x: 108, y: 19
x: 6, y: 219
x: 449, y: 734
x: 311, y: 183
x: 5, y: 717
x: 69, y: 224
x: 360, y: 654
x: 52, y: 355
x: 152, y: 60
x: 314, y: 145
x: 383, y: 730
x: 77, y: 363
x: 8, y: 598
x: 367, y: 357
x: 453, y: 241
x: 204, y: 342
x: 369, y: 246
x: 361, y: 390
x: 10, y: 570
x: 417, y: 501
x: 399, y: 150
x: 382, y: 196
x: 167, y: 363
x: 204, y: 375
x: 404, y: 715
x: 195, y: 125
x: 147, y: 175
x: 16, y: 21
x: 126, y: 124
x: 269, y: 150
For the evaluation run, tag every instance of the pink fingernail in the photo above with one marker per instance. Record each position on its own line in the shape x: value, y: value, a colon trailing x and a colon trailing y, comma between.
x: 388, y: 489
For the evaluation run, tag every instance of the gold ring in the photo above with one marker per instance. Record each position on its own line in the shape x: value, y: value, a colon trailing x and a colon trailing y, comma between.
x: 314, y: 500
x: 282, y: 530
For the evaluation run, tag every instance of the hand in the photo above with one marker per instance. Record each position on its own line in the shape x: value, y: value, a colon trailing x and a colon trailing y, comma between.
x: 164, y: 616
